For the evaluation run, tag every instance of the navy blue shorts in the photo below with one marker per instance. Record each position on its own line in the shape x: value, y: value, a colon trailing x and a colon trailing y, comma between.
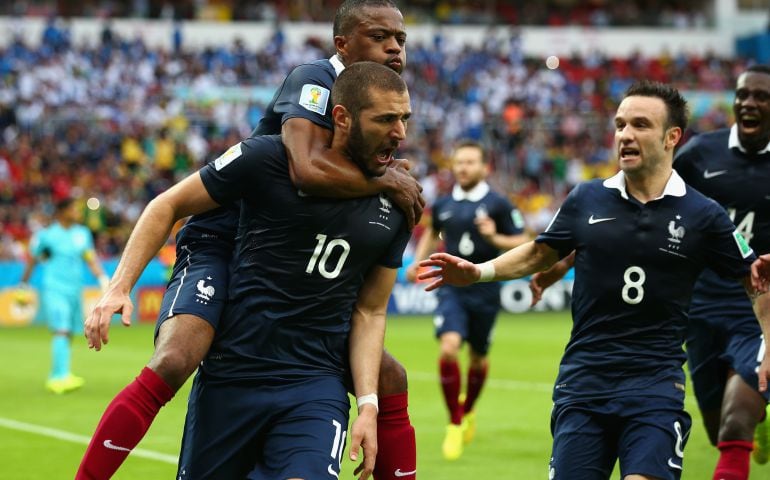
x: 647, y: 435
x: 716, y: 345
x: 247, y: 430
x: 469, y: 311
x: 198, y: 284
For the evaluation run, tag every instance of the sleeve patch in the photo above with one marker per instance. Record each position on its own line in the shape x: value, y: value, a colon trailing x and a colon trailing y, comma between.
x: 314, y: 98
x: 743, y: 245
x: 518, y: 218
x: 231, y: 154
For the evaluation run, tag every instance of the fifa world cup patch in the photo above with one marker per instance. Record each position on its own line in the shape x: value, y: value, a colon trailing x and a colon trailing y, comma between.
x: 314, y: 98
x: 743, y: 245
x: 231, y: 154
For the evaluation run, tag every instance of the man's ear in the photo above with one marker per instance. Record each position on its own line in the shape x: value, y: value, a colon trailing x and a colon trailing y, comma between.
x: 341, y: 117
x: 340, y: 45
x: 673, y: 136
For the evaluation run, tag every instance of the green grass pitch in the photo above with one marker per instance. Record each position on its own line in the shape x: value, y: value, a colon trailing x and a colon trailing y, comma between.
x: 42, y: 435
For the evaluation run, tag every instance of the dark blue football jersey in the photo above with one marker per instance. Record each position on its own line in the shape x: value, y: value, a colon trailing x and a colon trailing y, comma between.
x: 635, y: 268
x: 301, y: 263
x: 305, y: 93
x: 714, y: 164
x: 454, y: 215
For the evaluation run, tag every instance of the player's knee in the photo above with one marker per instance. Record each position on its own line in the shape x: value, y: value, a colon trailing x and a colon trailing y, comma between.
x: 392, y: 376
x: 737, y: 425
x: 174, y: 364
x: 477, y: 362
x: 448, y: 356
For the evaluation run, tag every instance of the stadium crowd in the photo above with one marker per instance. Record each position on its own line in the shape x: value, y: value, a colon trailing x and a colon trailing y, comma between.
x: 599, y: 13
x: 118, y: 122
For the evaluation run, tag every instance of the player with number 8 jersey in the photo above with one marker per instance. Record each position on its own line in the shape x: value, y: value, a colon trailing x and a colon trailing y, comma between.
x: 640, y: 238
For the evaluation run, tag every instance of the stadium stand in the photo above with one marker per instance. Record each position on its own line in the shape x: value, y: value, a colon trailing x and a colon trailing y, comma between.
x: 118, y: 120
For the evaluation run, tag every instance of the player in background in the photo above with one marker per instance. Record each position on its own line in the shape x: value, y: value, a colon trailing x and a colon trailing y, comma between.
x: 724, y: 342
x: 476, y: 223
x: 640, y: 238
x: 63, y: 247
x: 363, y: 30
x: 312, y: 274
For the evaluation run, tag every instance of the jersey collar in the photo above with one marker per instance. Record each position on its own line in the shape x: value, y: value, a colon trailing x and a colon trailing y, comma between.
x: 735, y: 142
x: 337, y: 64
x: 475, y: 194
x: 674, y: 187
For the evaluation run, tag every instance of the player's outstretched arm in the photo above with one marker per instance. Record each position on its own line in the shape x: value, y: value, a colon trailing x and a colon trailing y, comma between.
x: 523, y: 260
x: 761, y: 303
x: 367, y: 334
x: 318, y: 170
x: 542, y: 280
x: 760, y: 273
x: 186, y: 198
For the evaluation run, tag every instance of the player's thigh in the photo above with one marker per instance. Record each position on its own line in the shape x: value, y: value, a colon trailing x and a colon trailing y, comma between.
x: 450, y: 314
x: 308, y: 441
x: 652, y: 443
x: 583, y: 445
x: 198, y: 284
x: 223, y: 430
x: 745, y: 350
x: 708, y: 371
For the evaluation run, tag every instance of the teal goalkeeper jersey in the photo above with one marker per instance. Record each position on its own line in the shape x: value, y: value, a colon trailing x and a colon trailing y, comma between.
x: 64, y: 251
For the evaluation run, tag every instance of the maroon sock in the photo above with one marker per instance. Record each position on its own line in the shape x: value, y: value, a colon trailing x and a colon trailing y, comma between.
x: 450, y: 384
x: 733, y: 461
x: 396, y: 447
x: 476, y: 379
x: 123, y: 424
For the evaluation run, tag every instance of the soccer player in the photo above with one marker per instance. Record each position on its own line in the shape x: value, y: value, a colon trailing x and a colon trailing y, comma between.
x: 641, y: 238
x: 476, y: 223
x: 63, y: 247
x: 363, y: 30
x: 724, y: 341
x: 312, y: 274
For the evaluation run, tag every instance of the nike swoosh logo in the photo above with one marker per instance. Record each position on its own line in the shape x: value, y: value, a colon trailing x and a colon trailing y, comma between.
x: 332, y: 472
x: 443, y: 216
x: 108, y: 443
x: 673, y: 465
x: 399, y: 473
x: 593, y: 220
x: 707, y: 174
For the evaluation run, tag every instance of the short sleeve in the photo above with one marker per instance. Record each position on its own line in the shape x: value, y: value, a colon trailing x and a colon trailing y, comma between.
x: 560, y: 233
x: 240, y: 169
x: 306, y: 93
x: 727, y: 252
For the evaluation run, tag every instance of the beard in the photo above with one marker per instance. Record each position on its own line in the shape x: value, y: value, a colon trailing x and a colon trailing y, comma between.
x: 360, y: 151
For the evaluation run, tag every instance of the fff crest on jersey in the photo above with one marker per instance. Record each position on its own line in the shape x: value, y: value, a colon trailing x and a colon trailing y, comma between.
x: 675, y: 232
x: 385, y: 205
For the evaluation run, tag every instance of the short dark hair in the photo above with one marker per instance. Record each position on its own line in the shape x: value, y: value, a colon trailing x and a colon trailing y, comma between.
x: 468, y: 143
x: 353, y: 87
x: 64, y: 204
x: 759, y: 68
x: 349, y: 14
x: 676, y: 105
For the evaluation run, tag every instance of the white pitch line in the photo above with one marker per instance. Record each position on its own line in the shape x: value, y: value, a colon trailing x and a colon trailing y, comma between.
x: 82, y: 439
